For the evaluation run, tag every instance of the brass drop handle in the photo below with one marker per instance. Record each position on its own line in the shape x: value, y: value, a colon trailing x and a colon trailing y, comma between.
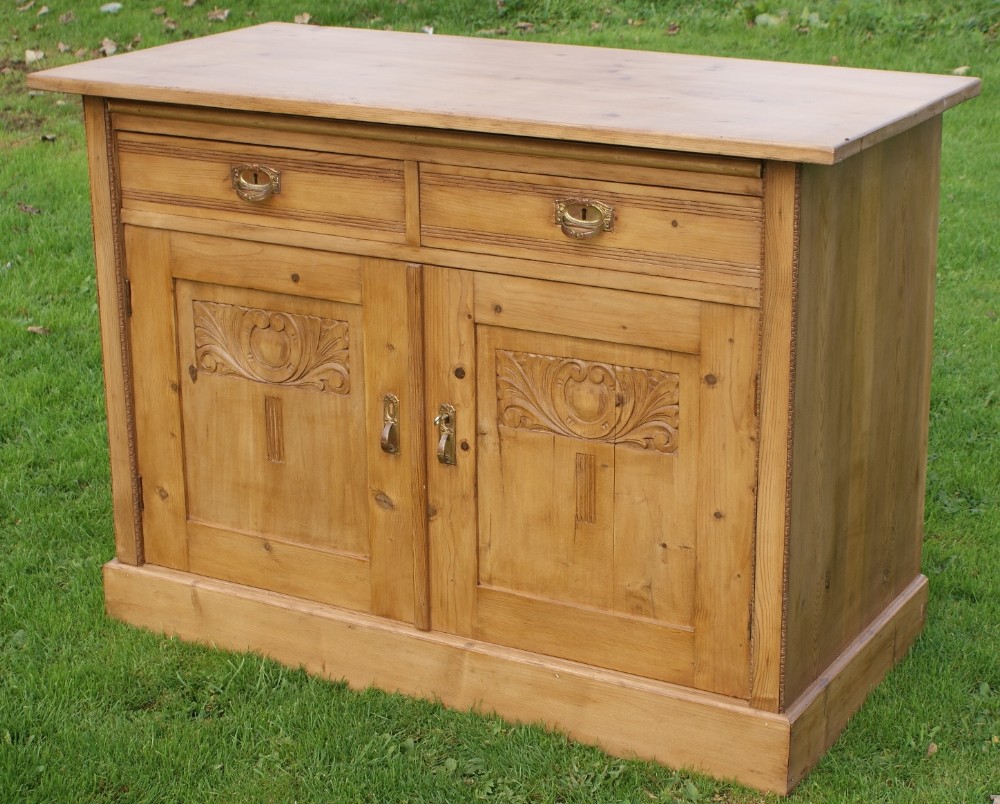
x: 256, y: 183
x: 583, y: 218
x: 445, y: 423
x: 390, y: 427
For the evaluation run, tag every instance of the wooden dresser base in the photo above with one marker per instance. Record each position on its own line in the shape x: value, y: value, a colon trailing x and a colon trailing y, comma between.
x: 625, y: 715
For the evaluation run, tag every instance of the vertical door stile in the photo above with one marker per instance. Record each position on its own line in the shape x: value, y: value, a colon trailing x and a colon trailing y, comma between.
x: 450, y: 369
x: 396, y: 486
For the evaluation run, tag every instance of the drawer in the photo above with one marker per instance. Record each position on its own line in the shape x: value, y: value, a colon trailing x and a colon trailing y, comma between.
x: 663, y: 231
x: 338, y: 194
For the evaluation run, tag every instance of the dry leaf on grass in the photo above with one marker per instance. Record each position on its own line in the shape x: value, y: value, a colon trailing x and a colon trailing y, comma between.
x: 159, y: 11
x: 28, y: 208
x: 38, y: 330
x: 26, y: 6
x: 32, y: 56
x: 68, y: 17
x: 303, y: 18
x: 42, y: 11
x: 111, y: 8
x: 169, y: 24
x: 108, y: 47
x: 218, y: 14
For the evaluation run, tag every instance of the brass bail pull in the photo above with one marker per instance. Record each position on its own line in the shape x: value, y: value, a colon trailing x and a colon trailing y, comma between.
x: 390, y: 428
x: 445, y: 423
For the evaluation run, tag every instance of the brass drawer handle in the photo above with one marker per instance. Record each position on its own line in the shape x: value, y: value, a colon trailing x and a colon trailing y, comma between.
x: 256, y: 183
x: 584, y: 218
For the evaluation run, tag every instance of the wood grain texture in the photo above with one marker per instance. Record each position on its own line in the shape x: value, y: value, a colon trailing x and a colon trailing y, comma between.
x: 327, y: 193
x: 396, y: 488
x: 774, y: 399
x: 662, y: 101
x: 660, y: 231
x: 111, y: 297
x: 450, y: 371
x: 625, y: 715
x: 667, y: 168
x: 523, y: 265
x: 821, y: 712
x: 865, y: 313
x: 158, y: 422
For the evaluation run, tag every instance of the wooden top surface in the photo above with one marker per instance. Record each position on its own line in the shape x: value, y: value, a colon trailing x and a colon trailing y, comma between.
x: 665, y: 101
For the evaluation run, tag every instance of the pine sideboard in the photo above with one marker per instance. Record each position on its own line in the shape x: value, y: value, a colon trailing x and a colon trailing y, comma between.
x: 579, y: 385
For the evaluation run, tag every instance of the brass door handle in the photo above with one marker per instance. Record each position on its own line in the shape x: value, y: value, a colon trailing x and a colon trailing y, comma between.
x: 582, y: 218
x: 256, y: 183
x: 445, y: 423
x: 390, y: 427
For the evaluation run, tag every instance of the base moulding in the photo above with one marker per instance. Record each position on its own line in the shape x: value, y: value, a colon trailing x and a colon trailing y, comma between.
x: 625, y: 715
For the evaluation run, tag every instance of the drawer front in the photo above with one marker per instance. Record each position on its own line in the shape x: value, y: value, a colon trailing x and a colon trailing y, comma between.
x: 707, y: 236
x: 353, y: 196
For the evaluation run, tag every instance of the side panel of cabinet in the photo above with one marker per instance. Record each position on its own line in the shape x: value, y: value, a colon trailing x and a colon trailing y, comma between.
x: 601, y: 504
x: 260, y: 375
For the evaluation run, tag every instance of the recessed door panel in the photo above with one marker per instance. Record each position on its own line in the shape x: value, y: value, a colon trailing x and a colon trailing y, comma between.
x: 606, y: 476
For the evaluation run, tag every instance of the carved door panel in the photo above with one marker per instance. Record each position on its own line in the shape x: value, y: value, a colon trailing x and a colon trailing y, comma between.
x: 600, y: 507
x: 260, y: 452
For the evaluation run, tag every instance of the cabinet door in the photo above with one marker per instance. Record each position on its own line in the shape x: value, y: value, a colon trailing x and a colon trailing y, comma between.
x: 600, y: 507
x: 261, y: 374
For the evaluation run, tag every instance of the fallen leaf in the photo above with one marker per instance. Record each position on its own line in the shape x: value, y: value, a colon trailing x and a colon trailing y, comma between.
x: 108, y: 47
x: 28, y: 209
x: 218, y: 14
x: 80, y: 53
x: 32, y: 56
x: 428, y: 29
x: 26, y: 6
x: 66, y: 18
x: 673, y: 29
x: 38, y: 330
x: 932, y: 749
x: 42, y: 11
x: 964, y: 70
x: 48, y: 137
x: 492, y: 32
x: 525, y: 27
x: 63, y: 47
x: 159, y: 11
x: 595, y: 26
x: 303, y: 18
x: 111, y: 8
x: 169, y: 24
x: 189, y: 3
x: 6, y: 70
x: 636, y: 23
x: 767, y: 20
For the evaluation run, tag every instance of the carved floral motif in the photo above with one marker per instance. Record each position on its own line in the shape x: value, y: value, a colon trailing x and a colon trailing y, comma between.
x: 300, y: 351
x: 588, y: 400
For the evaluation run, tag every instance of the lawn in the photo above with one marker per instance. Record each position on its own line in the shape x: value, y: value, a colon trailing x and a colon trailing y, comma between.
x: 91, y: 710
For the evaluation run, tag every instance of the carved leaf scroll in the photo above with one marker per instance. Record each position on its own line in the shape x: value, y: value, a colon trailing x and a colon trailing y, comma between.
x: 288, y: 349
x: 588, y: 400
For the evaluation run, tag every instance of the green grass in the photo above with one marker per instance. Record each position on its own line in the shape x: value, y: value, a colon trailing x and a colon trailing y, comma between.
x: 91, y: 710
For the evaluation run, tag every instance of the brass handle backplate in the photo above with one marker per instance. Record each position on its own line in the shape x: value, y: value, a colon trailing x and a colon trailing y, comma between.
x: 445, y: 422
x: 390, y: 427
x: 583, y: 218
x: 256, y: 183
